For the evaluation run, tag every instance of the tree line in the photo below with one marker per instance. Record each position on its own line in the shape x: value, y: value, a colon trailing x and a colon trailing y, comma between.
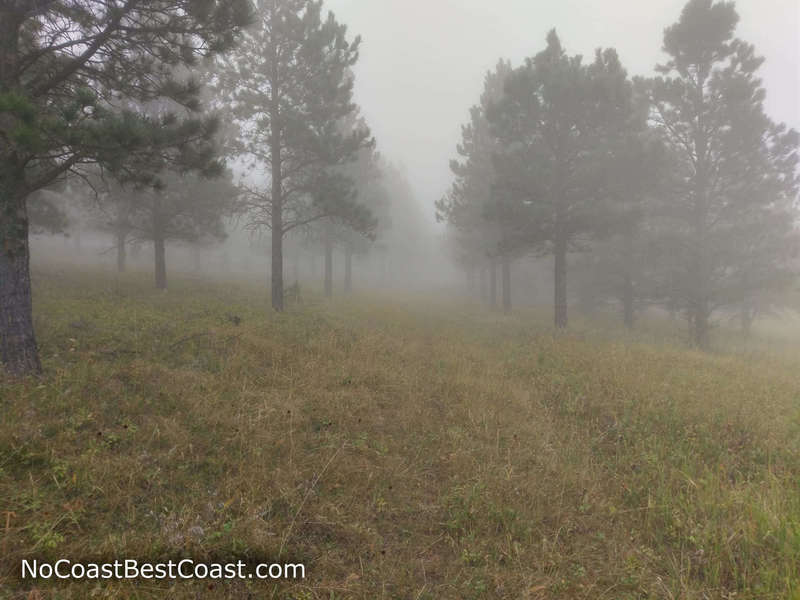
x: 674, y: 190
x: 153, y: 105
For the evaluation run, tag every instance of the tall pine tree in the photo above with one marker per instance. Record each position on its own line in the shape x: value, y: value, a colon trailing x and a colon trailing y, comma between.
x: 472, y: 205
x: 66, y: 67
x: 554, y: 124
x: 291, y: 85
x: 730, y: 221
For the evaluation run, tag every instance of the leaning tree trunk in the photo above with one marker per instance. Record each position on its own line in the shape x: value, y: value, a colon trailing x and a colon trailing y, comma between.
x: 328, y: 266
x: 506, y: 277
x: 348, y: 269
x: 18, y: 350
x: 560, y: 250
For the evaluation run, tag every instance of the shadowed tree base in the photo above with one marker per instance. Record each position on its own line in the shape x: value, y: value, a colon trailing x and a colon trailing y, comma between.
x: 18, y: 351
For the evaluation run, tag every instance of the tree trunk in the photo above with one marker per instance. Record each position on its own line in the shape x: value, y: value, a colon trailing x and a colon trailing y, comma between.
x: 699, y: 267
x: 348, y: 269
x: 328, y: 266
x: 277, y: 261
x: 493, y: 283
x: 506, y: 277
x: 159, y: 246
x: 122, y: 240
x: 628, y: 290
x: 18, y: 350
x: 560, y: 251
x: 276, y: 171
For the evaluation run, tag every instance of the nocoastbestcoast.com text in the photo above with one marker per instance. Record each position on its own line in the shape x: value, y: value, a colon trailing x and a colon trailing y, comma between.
x: 172, y: 569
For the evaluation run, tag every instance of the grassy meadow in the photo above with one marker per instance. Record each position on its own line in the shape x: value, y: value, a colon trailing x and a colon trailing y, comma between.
x: 399, y: 449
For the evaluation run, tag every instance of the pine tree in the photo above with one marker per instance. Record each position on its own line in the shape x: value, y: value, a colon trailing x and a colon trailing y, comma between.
x: 293, y: 86
x: 186, y: 208
x: 471, y: 205
x: 66, y: 67
x: 554, y: 124
x: 366, y: 173
x: 730, y: 221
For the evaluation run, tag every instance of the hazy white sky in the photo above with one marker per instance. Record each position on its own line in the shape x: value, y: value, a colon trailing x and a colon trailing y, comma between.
x: 423, y: 61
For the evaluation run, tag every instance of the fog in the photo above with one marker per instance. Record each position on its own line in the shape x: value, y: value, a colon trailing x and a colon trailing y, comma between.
x: 423, y: 62
x: 445, y: 182
x: 431, y: 299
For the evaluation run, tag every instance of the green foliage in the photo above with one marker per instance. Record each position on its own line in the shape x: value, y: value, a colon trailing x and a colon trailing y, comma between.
x: 289, y: 85
x: 70, y: 69
x: 472, y: 206
x: 728, y: 227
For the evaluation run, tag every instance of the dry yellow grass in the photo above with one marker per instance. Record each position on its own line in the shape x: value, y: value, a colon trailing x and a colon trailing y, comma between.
x: 399, y: 452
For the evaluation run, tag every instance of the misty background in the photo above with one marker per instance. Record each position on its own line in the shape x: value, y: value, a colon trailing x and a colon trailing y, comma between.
x: 423, y: 62
x: 421, y: 68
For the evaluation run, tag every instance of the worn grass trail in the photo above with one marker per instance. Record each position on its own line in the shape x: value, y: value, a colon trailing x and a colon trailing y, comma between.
x: 398, y: 451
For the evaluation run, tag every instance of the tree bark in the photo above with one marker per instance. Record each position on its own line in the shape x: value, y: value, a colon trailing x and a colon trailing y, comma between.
x: 276, y: 172
x: 348, y: 269
x: 18, y: 350
x: 159, y: 246
x: 560, y: 299
x: 699, y: 267
x: 628, y: 288
x: 19, y: 353
x: 506, y: 277
x: 328, y: 266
